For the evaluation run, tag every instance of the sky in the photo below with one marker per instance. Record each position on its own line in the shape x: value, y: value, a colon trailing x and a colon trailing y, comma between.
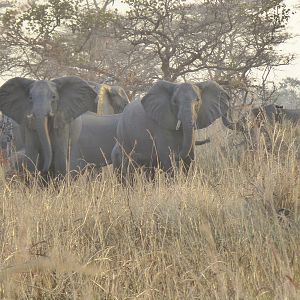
x: 292, y: 46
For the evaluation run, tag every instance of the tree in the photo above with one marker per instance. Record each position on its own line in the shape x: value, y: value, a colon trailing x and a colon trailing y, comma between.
x: 213, y: 38
x: 46, y: 39
x: 156, y: 39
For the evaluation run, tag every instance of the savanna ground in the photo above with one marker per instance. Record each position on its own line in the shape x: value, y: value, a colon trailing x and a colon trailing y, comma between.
x: 230, y: 230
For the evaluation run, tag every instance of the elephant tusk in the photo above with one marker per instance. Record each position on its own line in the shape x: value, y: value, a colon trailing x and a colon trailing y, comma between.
x: 178, y: 125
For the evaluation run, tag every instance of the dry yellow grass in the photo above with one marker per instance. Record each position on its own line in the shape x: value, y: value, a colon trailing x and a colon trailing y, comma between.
x: 230, y: 230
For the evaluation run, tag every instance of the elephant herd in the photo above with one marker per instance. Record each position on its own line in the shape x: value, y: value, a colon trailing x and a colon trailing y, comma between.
x: 66, y: 124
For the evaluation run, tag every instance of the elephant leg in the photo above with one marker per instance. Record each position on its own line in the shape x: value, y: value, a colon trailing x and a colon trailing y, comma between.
x: 164, y: 160
x: 75, y: 163
x: 17, y: 160
x: 18, y: 134
x: 32, y: 158
x: 188, y: 160
x: 120, y: 163
x: 125, y: 165
x: 116, y: 157
x: 61, y: 150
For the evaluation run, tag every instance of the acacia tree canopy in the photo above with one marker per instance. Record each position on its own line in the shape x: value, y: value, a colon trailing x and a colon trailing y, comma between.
x: 228, y: 38
x: 154, y: 39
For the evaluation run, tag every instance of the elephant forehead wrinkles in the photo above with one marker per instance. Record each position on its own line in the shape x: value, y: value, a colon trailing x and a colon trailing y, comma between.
x: 186, y: 92
x: 42, y: 88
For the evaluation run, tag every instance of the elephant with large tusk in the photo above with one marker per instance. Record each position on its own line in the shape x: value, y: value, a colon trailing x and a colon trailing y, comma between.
x: 46, y: 111
x: 91, y: 131
x: 162, y: 124
x: 109, y: 100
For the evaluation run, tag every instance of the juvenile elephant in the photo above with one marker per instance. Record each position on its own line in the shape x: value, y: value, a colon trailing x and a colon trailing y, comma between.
x: 98, y: 131
x: 96, y: 140
x: 46, y: 111
x: 162, y: 123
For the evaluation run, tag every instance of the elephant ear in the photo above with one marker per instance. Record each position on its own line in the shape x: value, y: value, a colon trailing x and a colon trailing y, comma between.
x: 14, y: 98
x: 75, y: 97
x: 158, y: 104
x: 215, y: 103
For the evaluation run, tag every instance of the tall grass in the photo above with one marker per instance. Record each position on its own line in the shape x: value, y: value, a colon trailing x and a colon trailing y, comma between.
x: 229, y: 230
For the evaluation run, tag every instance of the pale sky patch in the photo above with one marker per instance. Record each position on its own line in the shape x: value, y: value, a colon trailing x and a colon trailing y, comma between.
x: 292, y: 45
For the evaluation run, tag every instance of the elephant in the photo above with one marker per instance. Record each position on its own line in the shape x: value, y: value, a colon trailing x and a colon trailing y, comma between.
x: 96, y: 140
x: 291, y: 115
x: 257, y: 120
x: 95, y: 132
x: 110, y: 100
x: 98, y: 131
x: 47, y: 112
x: 161, y: 125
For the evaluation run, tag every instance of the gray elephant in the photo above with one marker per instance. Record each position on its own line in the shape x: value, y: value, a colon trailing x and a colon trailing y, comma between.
x: 291, y: 115
x: 161, y: 125
x: 98, y: 131
x: 258, y: 121
x: 96, y: 140
x: 46, y: 112
x: 109, y: 100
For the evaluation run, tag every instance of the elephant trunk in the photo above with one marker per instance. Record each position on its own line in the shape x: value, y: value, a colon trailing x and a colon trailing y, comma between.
x: 43, y: 134
x: 188, y: 130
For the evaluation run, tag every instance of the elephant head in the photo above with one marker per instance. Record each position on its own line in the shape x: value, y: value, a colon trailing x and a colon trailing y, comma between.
x: 44, y: 106
x: 174, y: 107
x: 111, y: 100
